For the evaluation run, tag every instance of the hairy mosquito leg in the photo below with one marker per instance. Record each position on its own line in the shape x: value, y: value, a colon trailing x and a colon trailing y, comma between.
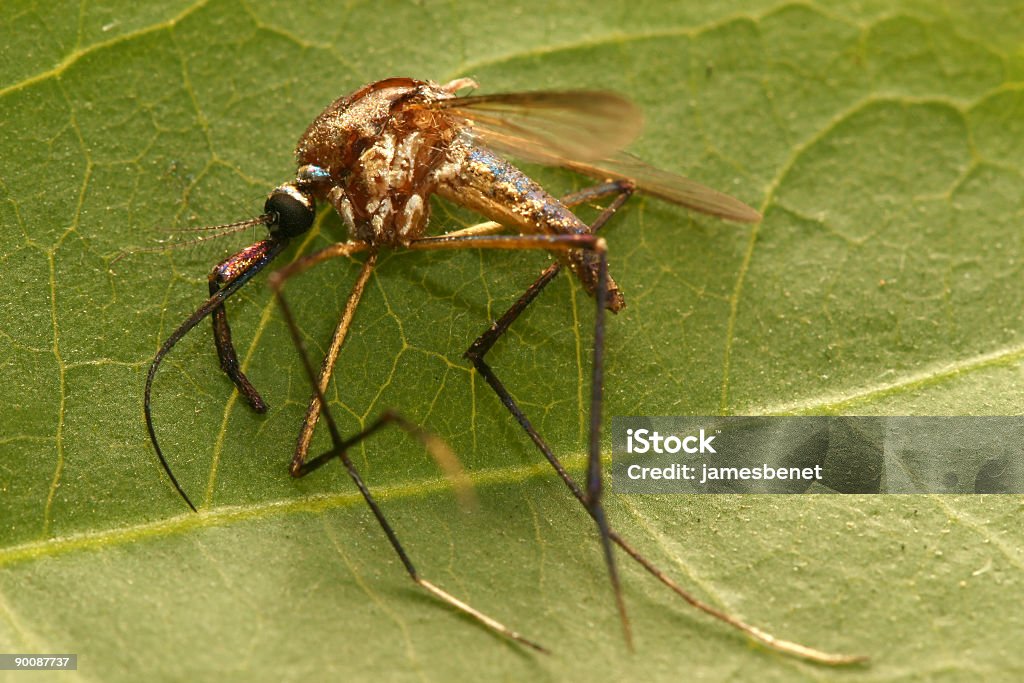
x: 340, y: 450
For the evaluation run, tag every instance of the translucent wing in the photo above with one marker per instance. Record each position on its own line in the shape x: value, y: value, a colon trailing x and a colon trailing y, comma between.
x: 574, y: 124
x: 584, y: 131
x: 666, y: 185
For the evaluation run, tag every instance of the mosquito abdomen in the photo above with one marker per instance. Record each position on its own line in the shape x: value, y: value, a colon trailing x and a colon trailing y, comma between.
x: 484, y: 182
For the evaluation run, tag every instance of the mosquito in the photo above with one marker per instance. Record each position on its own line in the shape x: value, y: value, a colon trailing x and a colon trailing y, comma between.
x: 377, y: 156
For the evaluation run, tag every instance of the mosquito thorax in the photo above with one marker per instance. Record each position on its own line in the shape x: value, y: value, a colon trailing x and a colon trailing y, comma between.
x: 290, y: 211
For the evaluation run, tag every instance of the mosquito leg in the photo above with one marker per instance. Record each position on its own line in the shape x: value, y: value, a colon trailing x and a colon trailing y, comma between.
x: 599, y: 191
x: 623, y: 191
x: 340, y: 450
x: 437, y: 448
x: 763, y: 637
x: 327, y: 367
x: 336, y: 250
x: 590, y: 242
x: 593, y: 193
x: 277, y: 280
x: 482, y: 344
x: 221, y: 274
x: 594, y: 479
x: 476, y: 353
x: 592, y: 500
x: 245, y: 264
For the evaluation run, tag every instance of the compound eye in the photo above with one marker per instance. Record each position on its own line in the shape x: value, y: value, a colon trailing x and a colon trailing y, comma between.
x: 291, y: 211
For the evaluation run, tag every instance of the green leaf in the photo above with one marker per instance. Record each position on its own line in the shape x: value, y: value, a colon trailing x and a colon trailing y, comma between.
x: 882, y: 141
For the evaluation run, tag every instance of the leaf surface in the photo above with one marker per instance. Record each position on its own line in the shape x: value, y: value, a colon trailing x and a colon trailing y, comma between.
x: 882, y: 142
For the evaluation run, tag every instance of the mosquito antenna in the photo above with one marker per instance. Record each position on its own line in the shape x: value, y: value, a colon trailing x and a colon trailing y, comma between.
x: 271, y: 248
x: 225, y: 229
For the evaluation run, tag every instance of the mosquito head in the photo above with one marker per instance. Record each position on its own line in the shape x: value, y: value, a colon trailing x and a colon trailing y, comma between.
x: 289, y: 211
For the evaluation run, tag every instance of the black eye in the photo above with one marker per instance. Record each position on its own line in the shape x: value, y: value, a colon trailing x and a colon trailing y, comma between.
x: 291, y: 211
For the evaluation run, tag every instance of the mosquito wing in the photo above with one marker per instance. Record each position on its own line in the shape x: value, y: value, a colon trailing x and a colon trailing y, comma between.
x: 666, y: 185
x: 584, y: 131
x: 537, y: 126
